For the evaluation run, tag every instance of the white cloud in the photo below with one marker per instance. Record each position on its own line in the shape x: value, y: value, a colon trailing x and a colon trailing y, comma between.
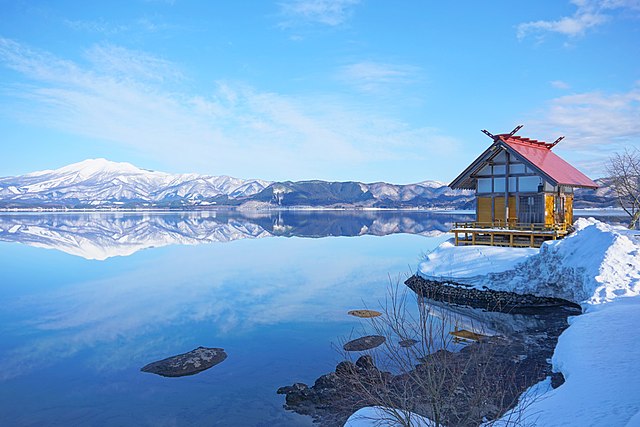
x: 596, y: 125
x: 325, y: 12
x: 572, y: 26
x: 118, y: 61
x: 589, y: 14
x: 371, y: 76
x: 559, y: 84
x: 97, y: 26
x: 124, y: 98
x: 108, y: 28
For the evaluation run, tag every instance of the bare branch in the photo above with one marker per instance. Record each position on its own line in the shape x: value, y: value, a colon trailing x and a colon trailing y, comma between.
x: 624, y: 172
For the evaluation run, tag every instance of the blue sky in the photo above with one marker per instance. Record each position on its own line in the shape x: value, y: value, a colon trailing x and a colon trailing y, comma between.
x: 364, y: 90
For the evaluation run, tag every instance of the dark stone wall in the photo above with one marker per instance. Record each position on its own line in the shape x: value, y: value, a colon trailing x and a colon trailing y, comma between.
x: 507, y: 302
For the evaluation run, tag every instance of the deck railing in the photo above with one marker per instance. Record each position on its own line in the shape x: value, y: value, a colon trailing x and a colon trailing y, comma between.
x: 497, y: 233
x: 561, y: 228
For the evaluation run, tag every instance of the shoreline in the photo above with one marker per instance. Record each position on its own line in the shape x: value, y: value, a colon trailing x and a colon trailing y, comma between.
x: 233, y: 209
x: 610, y: 211
x: 517, y: 352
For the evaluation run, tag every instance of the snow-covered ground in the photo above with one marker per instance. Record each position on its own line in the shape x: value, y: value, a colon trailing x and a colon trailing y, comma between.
x: 598, y: 266
x: 382, y: 417
x: 598, y: 355
x: 595, y: 264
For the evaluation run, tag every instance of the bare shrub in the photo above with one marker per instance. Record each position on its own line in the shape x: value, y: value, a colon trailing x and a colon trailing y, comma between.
x: 475, y: 385
x: 624, y: 171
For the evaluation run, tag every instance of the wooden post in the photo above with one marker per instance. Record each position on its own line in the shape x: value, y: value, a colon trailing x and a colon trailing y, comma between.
x: 456, y: 233
x: 506, y: 189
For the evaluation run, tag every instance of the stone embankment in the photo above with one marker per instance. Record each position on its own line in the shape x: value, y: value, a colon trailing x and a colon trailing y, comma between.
x: 451, y: 292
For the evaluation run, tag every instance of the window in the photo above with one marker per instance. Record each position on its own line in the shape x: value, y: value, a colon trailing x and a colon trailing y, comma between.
x: 517, y: 168
x: 486, y: 170
x: 529, y: 184
x: 484, y: 185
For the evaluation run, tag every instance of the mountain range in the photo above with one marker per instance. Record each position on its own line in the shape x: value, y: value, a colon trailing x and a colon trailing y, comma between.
x: 103, y: 184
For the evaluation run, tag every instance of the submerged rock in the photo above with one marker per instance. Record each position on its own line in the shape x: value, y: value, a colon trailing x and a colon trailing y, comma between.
x: 476, y: 382
x: 364, y: 343
x: 198, y: 360
x: 465, y: 335
x: 407, y: 343
x: 366, y: 314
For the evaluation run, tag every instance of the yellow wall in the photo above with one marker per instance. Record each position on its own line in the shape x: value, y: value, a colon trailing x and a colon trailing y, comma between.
x: 484, y: 209
x: 549, y: 203
x: 499, y: 210
x: 568, y: 209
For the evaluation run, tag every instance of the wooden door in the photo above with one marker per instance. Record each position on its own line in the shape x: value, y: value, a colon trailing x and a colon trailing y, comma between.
x: 498, y: 213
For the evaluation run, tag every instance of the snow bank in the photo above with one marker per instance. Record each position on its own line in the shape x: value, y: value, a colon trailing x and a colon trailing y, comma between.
x: 598, y: 355
x: 597, y: 263
x: 377, y: 416
x: 599, y: 352
x: 470, y: 264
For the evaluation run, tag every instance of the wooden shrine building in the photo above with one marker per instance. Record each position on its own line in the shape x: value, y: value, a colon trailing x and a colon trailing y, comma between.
x: 524, y: 193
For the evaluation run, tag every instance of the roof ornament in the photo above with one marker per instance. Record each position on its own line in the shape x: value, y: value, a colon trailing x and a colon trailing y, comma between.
x: 554, y: 143
x: 509, y: 135
x: 489, y: 134
x: 515, y: 130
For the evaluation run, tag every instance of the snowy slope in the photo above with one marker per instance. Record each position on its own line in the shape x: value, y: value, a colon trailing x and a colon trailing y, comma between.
x: 598, y: 356
x: 598, y: 266
x: 97, y: 182
x: 597, y: 263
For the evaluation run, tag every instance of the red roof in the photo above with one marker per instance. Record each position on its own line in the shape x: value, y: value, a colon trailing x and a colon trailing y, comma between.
x: 539, y: 154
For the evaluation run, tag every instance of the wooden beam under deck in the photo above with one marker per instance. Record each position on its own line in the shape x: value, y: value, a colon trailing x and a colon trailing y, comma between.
x: 532, y: 238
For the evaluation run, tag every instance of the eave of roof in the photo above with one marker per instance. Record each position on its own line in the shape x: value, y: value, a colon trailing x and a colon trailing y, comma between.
x: 545, y: 161
x: 464, y: 181
x: 536, y: 154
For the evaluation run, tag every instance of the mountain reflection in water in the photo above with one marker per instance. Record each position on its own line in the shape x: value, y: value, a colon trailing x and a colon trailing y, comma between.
x: 76, y: 331
x: 104, y: 235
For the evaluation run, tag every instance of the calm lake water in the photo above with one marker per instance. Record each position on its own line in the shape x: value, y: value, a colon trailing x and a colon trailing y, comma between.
x: 88, y: 299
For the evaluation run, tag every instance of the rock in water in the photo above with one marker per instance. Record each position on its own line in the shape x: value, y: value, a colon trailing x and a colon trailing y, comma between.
x: 198, y: 360
x: 364, y: 343
x: 366, y: 314
x: 407, y: 343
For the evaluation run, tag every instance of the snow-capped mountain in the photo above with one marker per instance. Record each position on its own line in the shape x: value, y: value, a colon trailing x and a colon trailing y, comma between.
x: 102, y: 184
x: 99, y: 182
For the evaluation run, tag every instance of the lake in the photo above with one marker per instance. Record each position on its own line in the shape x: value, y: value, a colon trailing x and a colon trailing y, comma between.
x: 89, y: 299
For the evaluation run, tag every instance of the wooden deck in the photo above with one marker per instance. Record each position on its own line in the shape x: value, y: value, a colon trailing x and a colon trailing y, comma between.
x: 512, y: 235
